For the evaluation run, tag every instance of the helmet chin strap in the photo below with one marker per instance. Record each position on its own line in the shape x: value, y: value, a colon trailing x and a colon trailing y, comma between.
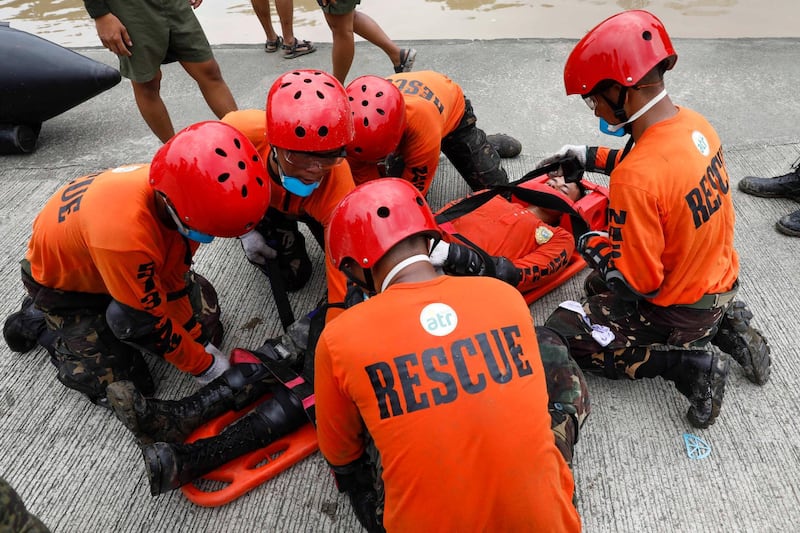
x: 400, y: 266
x: 645, y: 108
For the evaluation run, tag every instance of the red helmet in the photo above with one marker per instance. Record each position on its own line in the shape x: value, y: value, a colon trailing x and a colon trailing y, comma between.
x: 213, y: 178
x: 623, y: 48
x: 379, y: 117
x: 374, y: 217
x: 307, y: 111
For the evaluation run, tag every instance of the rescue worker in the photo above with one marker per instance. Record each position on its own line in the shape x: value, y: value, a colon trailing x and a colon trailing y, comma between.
x: 523, y: 241
x: 666, y: 271
x: 302, y: 142
x: 445, y: 377
x: 783, y: 186
x: 402, y: 124
x: 108, y: 266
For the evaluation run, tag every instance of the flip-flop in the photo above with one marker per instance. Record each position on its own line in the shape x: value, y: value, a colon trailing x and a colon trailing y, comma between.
x: 272, y: 46
x: 299, y: 48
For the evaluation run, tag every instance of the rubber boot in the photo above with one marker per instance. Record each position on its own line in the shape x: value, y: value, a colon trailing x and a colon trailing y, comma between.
x: 701, y: 378
x: 784, y: 186
x: 506, y: 146
x: 789, y: 224
x: 22, y: 328
x: 153, y: 420
x: 744, y: 343
x: 169, y: 466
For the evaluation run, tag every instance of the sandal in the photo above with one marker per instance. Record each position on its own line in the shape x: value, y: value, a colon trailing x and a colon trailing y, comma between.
x: 407, y: 57
x: 272, y: 46
x: 299, y: 48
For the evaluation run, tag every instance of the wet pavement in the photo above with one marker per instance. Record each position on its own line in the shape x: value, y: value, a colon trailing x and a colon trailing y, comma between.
x: 79, y: 470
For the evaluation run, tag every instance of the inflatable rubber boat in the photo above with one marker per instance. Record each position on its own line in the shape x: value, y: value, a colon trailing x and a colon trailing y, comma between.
x: 39, y: 80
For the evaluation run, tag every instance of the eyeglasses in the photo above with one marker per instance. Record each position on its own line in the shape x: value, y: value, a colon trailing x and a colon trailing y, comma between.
x: 183, y: 230
x: 314, y: 160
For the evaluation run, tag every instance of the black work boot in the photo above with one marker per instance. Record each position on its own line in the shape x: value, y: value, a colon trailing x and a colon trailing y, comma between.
x: 153, y: 420
x: 789, y: 224
x: 22, y: 328
x: 744, y: 343
x: 170, y: 466
x: 505, y: 145
x: 784, y: 186
x: 701, y: 378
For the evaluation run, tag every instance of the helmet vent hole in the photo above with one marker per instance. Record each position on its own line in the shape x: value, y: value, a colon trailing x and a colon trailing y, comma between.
x: 383, y: 212
x: 320, y: 95
x: 242, y: 165
x: 381, y: 112
x: 329, y: 84
x: 221, y: 152
x: 297, y: 95
x: 300, y: 131
x: 222, y: 178
x: 363, y: 87
x: 366, y: 122
x: 255, y: 158
x: 419, y: 201
x: 647, y: 36
x: 379, y: 94
x: 323, y: 131
x: 244, y: 191
x: 364, y: 103
x: 237, y: 143
x: 350, y: 98
x: 259, y: 181
x: 358, y: 149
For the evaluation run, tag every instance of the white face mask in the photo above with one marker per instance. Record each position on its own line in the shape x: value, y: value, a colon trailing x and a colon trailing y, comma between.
x: 617, y: 129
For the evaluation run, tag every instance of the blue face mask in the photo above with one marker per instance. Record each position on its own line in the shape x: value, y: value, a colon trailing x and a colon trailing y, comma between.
x: 297, y: 187
x: 608, y: 129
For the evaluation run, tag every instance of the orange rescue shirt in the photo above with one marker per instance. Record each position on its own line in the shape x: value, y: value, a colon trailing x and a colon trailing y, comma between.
x: 99, y: 234
x: 453, y: 392
x: 671, y: 216
x: 319, y: 205
x: 434, y: 107
x: 511, y: 230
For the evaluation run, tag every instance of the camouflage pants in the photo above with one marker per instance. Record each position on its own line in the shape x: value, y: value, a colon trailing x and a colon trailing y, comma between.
x: 14, y: 517
x: 475, y: 159
x: 644, y: 334
x: 87, y: 355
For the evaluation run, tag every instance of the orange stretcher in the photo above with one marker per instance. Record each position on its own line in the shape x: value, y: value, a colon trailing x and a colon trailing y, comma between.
x: 244, y: 473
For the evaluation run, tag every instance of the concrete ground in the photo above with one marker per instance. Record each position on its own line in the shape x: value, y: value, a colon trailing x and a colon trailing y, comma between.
x: 79, y: 470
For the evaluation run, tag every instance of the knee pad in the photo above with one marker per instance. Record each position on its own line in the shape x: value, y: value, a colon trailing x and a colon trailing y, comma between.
x: 139, y: 328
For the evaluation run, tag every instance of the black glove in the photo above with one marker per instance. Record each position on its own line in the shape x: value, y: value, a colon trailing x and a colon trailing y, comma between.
x: 357, y: 479
x: 464, y: 261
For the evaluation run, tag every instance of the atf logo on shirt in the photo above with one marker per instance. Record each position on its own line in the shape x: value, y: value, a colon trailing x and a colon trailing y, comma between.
x: 438, y: 319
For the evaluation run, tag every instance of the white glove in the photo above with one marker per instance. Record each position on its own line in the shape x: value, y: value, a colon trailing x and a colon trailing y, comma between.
x: 439, y: 253
x: 219, y: 365
x: 578, y: 151
x: 256, y: 248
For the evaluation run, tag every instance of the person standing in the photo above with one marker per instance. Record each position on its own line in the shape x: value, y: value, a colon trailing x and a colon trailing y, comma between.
x: 145, y: 34
x: 344, y: 21
x: 783, y: 186
x: 292, y: 47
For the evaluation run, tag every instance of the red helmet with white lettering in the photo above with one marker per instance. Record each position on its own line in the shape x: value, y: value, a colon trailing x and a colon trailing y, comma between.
x: 379, y: 118
x: 213, y: 179
x: 622, y: 48
x: 374, y: 217
x: 307, y: 111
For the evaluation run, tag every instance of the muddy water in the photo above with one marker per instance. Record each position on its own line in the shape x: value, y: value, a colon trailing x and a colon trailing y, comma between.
x: 232, y: 21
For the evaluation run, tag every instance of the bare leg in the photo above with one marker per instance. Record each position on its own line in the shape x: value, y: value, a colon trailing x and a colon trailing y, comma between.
x: 152, y: 108
x: 264, y: 14
x: 285, y: 9
x: 215, y: 91
x: 344, y: 47
x: 366, y: 27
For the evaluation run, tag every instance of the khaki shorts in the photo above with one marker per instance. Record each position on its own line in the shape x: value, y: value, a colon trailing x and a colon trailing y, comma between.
x: 161, y: 32
x: 341, y: 7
